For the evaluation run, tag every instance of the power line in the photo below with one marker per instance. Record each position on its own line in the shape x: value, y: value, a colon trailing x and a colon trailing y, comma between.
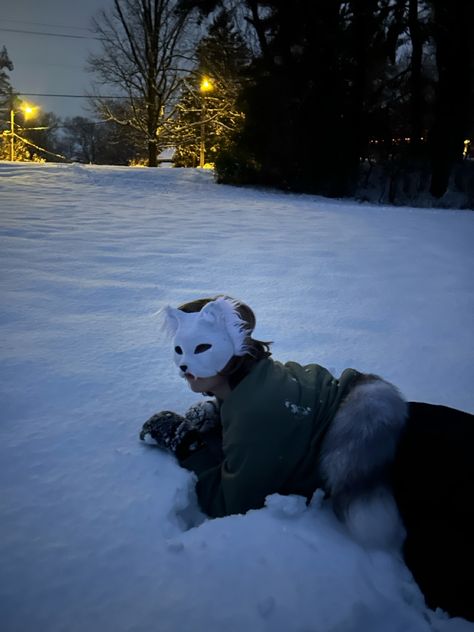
x: 27, y: 142
x: 54, y: 26
x: 87, y: 37
x: 69, y: 96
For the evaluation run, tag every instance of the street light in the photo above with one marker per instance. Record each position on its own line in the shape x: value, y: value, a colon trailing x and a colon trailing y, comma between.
x: 467, y: 149
x: 205, y: 87
x: 28, y: 111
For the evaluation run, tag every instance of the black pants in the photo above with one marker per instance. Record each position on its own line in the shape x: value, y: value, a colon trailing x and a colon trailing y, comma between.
x: 434, y: 489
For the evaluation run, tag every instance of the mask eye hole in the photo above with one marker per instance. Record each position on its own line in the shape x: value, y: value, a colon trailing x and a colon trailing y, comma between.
x: 202, y: 348
x: 178, y: 350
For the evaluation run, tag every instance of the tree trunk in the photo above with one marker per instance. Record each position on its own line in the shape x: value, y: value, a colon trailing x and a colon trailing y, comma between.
x: 453, y: 21
x: 152, y: 153
x: 415, y: 76
x: 256, y: 22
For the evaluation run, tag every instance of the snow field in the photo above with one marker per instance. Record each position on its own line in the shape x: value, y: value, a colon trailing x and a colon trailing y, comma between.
x: 98, y: 531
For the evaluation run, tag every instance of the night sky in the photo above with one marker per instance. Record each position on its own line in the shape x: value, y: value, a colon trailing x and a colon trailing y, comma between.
x: 45, y: 63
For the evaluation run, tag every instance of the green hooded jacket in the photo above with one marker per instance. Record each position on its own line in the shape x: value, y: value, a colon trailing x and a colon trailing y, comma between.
x: 273, y: 424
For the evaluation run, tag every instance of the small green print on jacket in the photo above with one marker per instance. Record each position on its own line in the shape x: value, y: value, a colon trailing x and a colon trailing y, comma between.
x: 273, y: 425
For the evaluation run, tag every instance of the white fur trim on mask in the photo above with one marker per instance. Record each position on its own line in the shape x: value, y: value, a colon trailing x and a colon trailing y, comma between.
x: 225, y: 309
x: 222, y: 310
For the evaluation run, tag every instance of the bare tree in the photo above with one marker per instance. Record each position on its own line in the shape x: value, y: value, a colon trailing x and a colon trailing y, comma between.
x: 145, y: 47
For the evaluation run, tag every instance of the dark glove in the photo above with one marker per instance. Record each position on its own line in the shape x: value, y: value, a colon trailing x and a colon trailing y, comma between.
x: 203, y: 416
x: 172, y: 432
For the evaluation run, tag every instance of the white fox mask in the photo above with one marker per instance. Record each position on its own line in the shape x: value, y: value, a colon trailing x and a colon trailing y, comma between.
x: 205, y: 341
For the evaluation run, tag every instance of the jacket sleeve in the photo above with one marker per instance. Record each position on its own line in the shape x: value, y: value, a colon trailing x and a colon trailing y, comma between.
x: 250, y: 471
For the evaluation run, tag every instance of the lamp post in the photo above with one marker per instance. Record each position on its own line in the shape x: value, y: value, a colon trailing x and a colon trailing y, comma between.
x: 205, y: 87
x: 12, y: 134
x: 28, y: 112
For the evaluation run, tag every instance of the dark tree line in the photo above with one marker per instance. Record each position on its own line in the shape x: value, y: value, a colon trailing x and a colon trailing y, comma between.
x: 454, y: 118
x: 338, y: 82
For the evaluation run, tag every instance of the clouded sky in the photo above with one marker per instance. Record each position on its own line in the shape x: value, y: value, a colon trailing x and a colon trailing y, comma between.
x: 48, y: 64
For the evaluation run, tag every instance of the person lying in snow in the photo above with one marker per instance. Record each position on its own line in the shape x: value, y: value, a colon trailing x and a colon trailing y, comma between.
x: 394, y: 471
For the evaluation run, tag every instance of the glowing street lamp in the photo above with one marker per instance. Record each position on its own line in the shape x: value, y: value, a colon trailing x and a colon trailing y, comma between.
x: 467, y: 148
x: 28, y: 111
x: 205, y: 87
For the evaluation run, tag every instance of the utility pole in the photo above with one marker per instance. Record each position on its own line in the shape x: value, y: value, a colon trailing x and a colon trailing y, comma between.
x: 206, y: 86
x: 202, y: 159
x: 28, y: 110
x: 12, y: 133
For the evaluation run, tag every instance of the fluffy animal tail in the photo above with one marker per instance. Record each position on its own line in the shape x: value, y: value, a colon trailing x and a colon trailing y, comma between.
x: 356, y: 460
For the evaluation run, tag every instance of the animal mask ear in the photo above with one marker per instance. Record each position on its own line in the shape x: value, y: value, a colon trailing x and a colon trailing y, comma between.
x: 223, y: 311
x: 211, y: 313
x: 171, y: 319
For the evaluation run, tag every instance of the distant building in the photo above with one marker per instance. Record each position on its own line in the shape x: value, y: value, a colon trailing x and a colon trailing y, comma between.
x: 166, y: 157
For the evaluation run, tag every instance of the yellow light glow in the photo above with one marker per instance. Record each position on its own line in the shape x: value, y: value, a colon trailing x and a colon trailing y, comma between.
x: 206, y: 85
x: 467, y: 146
x: 28, y: 110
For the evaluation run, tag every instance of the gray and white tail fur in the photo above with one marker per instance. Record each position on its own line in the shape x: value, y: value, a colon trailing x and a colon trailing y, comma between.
x: 356, y: 457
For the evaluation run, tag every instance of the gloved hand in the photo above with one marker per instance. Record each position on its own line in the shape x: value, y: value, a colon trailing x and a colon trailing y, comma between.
x: 172, y: 432
x: 203, y: 416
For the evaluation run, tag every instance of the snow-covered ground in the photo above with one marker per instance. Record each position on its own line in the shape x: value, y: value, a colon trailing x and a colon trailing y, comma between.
x: 101, y: 532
